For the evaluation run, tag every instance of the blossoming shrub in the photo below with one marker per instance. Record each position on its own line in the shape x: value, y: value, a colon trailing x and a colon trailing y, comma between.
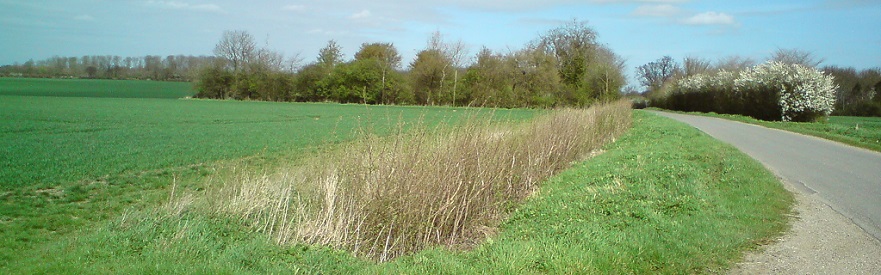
x: 770, y: 91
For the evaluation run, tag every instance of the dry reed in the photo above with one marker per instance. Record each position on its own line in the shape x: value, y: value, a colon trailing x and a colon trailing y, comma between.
x: 382, y: 197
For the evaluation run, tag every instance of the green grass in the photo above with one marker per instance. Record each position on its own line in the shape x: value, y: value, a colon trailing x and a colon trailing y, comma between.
x: 665, y: 198
x: 864, y: 132
x: 69, y: 162
x: 95, y: 88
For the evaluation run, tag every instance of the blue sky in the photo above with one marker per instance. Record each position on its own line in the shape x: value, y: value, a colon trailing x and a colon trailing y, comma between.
x: 843, y: 32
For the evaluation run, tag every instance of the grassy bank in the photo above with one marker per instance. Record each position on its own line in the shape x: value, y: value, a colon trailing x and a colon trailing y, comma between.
x: 864, y: 132
x: 664, y: 198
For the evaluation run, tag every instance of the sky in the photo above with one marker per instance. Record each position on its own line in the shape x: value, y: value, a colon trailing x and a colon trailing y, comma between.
x: 841, y: 32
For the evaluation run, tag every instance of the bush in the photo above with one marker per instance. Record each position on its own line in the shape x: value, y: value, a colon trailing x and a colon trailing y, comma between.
x: 770, y: 91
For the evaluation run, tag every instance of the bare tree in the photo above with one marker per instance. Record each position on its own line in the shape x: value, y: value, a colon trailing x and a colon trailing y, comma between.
x: 735, y: 63
x: 656, y: 73
x: 237, y: 47
x: 292, y: 63
x: 695, y: 65
x: 796, y: 56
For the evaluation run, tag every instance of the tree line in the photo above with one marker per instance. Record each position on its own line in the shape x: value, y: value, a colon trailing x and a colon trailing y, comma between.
x: 857, y: 93
x: 565, y: 66
x: 152, y: 67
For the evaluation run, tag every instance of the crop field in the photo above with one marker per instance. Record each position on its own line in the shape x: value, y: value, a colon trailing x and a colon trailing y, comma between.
x: 94, y: 88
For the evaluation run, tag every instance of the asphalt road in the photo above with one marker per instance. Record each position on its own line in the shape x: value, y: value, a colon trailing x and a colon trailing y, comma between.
x: 846, y: 178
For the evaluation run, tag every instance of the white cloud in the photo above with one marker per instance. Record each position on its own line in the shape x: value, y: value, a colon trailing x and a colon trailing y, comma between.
x: 710, y: 18
x: 175, y: 5
x: 294, y: 8
x: 663, y: 10
x: 84, y: 17
x: 360, y: 15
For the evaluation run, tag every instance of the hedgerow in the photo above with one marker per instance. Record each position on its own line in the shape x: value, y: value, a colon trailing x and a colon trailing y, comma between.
x: 770, y: 91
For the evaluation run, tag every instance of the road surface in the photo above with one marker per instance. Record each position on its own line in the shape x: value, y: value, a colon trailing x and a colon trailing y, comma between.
x: 846, y: 178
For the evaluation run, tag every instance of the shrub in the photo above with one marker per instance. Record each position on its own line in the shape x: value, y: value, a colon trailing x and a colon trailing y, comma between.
x: 770, y: 91
x: 805, y: 94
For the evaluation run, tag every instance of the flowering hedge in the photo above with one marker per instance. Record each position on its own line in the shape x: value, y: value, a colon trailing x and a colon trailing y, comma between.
x: 770, y: 91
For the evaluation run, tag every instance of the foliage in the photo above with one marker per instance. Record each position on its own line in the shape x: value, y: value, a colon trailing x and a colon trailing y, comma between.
x: 771, y: 91
x: 214, y: 82
x: 564, y: 67
x: 427, y: 73
x: 588, y: 71
x: 858, y: 92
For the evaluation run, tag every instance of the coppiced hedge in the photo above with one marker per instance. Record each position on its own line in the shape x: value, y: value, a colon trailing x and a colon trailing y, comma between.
x: 770, y: 91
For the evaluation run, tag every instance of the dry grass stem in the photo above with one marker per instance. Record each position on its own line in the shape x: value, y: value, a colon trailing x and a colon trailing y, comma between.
x: 382, y: 197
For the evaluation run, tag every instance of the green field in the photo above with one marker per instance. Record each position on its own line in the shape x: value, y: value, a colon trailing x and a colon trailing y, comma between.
x: 95, y: 88
x: 89, y: 185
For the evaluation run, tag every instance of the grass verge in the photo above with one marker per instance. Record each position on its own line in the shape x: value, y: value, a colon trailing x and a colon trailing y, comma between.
x: 665, y: 198
x: 863, y: 132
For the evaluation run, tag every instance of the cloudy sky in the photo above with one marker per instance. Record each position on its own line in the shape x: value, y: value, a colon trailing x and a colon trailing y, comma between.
x: 843, y: 32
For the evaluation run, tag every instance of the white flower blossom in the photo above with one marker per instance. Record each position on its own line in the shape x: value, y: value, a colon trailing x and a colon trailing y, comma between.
x: 802, y: 90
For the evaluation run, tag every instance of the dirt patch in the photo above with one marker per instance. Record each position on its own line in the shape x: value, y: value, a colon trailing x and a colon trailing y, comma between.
x: 821, y: 241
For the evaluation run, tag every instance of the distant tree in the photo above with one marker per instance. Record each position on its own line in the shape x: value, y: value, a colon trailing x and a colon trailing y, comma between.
x: 309, y: 83
x: 657, y: 73
x: 386, y: 58
x: 237, y: 47
x: 331, y: 55
x: 454, y: 53
x: 605, y: 75
x: 796, y: 56
x: 735, y: 63
x: 537, y: 81
x: 92, y: 71
x: 427, y: 74
x: 572, y: 44
x: 695, y: 65
x: 578, y: 57
x: 214, y: 81
x: 490, y: 80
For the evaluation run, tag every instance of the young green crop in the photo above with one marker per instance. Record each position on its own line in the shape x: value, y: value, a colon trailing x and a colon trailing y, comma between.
x: 95, y: 88
x: 49, y: 141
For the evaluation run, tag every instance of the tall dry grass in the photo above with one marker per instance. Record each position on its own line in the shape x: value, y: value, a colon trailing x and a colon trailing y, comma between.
x: 382, y: 197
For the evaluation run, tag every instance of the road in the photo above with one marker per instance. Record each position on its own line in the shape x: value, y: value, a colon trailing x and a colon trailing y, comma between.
x: 846, y: 178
